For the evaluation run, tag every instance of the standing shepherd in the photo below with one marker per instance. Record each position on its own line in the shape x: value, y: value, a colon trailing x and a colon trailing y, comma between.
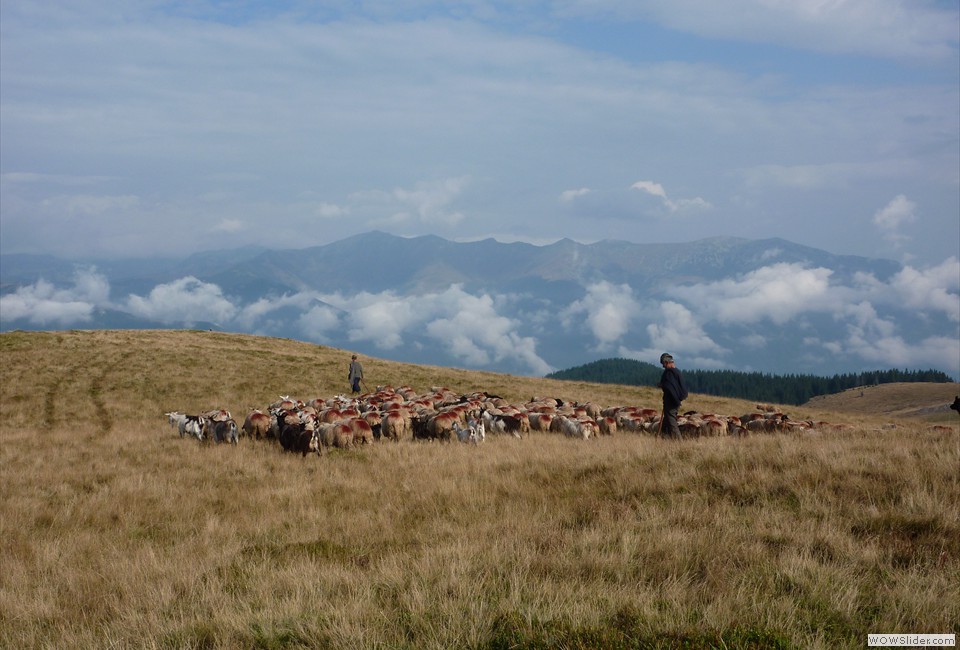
x: 355, y: 375
x: 674, y: 392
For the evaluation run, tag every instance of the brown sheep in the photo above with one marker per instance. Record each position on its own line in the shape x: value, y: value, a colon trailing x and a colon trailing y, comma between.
x: 257, y: 424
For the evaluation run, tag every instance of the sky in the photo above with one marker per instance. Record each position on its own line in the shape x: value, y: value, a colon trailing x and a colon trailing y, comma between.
x: 134, y: 128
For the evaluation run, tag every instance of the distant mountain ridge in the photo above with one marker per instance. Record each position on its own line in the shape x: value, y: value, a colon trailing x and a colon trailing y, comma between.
x: 508, y: 307
x: 377, y: 261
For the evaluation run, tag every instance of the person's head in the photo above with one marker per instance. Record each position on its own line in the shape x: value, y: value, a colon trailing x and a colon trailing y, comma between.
x: 666, y: 359
x: 354, y: 357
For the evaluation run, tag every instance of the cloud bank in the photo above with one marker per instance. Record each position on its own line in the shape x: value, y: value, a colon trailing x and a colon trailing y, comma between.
x: 863, y: 320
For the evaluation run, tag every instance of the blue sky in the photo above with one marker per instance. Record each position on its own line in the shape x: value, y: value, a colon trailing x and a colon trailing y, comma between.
x: 165, y: 128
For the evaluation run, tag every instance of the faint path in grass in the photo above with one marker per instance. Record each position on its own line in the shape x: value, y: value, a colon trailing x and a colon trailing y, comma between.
x: 97, y: 388
x: 50, y: 403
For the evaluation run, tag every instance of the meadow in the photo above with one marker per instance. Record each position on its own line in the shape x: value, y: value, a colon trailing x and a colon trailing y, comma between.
x: 117, y: 533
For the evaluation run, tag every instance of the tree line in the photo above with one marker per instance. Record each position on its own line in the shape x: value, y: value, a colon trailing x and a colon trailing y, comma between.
x: 779, y: 389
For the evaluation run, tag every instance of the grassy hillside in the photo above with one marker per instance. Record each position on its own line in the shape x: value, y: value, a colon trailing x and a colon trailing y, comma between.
x: 928, y: 401
x: 115, y: 532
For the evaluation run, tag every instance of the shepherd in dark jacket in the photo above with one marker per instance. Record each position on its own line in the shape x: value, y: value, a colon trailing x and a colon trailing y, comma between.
x: 674, y: 392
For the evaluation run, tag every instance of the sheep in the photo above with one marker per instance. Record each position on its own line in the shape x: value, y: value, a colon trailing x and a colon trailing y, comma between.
x: 394, y: 425
x: 607, y: 425
x: 362, y: 431
x: 440, y: 426
x: 217, y: 415
x: 342, y: 436
x: 540, y: 421
x: 573, y: 428
x: 375, y: 420
x: 256, y: 424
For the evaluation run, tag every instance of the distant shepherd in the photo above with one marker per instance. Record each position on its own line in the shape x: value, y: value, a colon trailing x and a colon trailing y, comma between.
x: 355, y: 376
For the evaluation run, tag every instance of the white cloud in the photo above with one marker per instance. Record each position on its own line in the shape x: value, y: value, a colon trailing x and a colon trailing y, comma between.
x: 187, y: 300
x: 696, y: 204
x: 383, y: 318
x: 466, y: 326
x: 470, y: 328
x: 677, y: 330
x: 319, y: 322
x: 258, y: 311
x: 331, y: 211
x: 430, y: 202
x: 680, y: 331
x: 607, y: 309
x: 229, y: 225
x: 778, y: 293
x: 898, y: 212
x: 651, y: 188
x: 932, y: 289
x: 787, y: 293
x: 873, y: 346
x: 43, y: 304
x: 570, y: 195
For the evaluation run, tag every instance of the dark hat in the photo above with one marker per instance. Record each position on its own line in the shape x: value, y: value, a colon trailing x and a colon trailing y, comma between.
x: 354, y: 357
x: 665, y: 357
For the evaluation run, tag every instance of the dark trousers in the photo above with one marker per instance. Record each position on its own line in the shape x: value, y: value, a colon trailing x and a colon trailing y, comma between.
x: 671, y: 428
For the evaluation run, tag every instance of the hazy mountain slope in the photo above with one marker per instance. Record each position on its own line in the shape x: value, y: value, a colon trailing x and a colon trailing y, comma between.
x: 514, y: 307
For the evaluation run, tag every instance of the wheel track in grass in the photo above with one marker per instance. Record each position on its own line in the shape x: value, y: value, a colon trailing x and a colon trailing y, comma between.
x: 96, y: 390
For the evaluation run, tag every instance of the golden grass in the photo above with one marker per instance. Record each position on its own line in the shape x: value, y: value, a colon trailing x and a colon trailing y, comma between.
x: 928, y: 401
x: 117, y: 533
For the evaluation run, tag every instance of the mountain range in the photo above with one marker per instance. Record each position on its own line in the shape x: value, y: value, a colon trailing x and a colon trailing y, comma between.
x: 765, y: 305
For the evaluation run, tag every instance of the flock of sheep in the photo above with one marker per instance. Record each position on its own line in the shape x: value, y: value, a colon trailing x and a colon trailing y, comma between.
x: 442, y: 414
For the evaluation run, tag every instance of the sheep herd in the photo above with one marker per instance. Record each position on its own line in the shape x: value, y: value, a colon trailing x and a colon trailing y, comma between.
x: 395, y: 414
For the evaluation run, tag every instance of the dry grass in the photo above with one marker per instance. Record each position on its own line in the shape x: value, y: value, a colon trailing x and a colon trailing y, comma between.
x: 117, y: 533
x: 928, y: 401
